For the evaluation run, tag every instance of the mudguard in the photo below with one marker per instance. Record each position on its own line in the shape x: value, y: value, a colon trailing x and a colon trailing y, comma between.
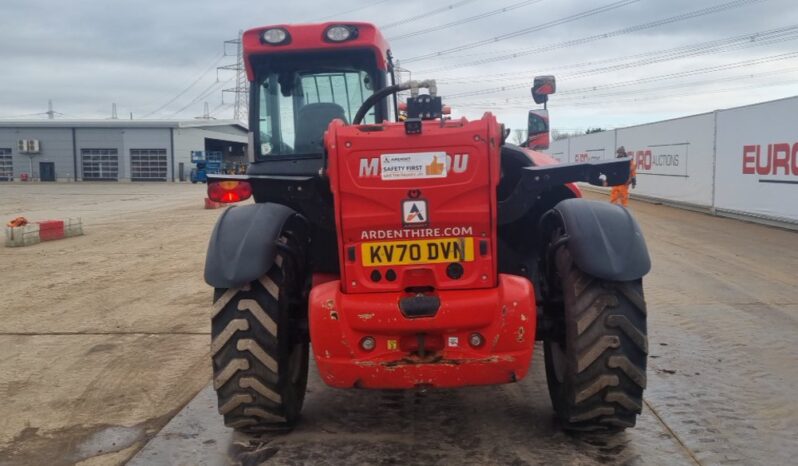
x: 604, y: 239
x: 242, y: 246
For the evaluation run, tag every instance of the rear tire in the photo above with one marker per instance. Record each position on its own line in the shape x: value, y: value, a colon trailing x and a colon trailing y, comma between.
x: 596, y: 371
x: 260, y: 350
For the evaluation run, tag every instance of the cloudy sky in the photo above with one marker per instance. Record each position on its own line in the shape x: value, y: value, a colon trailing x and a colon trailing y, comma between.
x: 617, y: 62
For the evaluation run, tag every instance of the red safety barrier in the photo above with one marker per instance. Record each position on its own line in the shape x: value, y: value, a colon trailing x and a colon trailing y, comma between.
x: 51, y: 229
x: 20, y: 232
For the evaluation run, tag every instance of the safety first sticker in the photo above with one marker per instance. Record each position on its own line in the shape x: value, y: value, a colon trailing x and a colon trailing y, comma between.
x: 413, y: 166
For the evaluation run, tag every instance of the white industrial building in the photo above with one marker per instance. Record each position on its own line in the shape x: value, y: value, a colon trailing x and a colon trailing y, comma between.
x: 112, y: 150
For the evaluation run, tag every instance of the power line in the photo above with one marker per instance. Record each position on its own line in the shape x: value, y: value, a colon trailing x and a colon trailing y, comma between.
x: 205, y: 93
x: 671, y: 95
x: 711, y: 69
x: 586, y: 94
x: 343, y: 13
x: 425, y: 15
x: 23, y: 115
x: 220, y: 107
x: 666, y: 56
x: 618, y: 32
x: 738, y: 42
x: 470, y: 19
x: 602, y: 100
x: 187, y: 88
x: 665, y: 77
x: 667, y: 89
x: 521, y: 32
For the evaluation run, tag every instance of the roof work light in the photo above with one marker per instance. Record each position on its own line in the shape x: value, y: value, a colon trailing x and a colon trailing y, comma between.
x: 340, y: 33
x: 275, y: 36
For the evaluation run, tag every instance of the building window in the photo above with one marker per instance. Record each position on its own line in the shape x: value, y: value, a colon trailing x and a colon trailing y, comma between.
x: 100, y: 164
x: 6, y: 165
x: 148, y: 164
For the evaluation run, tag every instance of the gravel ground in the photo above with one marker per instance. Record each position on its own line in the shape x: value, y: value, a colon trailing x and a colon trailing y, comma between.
x: 103, y: 331
x: 105, y: 340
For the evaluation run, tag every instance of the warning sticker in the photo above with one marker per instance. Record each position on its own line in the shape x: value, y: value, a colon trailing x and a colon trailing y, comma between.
x: 414, y: 212
x: 413, y: 166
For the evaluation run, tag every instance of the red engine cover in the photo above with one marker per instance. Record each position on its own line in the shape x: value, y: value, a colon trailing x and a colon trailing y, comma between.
x: 408, y: 206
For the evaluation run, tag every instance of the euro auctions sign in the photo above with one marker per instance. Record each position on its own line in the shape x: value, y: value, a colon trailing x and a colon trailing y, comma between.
x: 757, y: 160
x: 776, y: 163
x: 664, y: 159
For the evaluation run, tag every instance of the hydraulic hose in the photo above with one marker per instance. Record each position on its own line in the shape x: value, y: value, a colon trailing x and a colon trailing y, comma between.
x: 389, y: 90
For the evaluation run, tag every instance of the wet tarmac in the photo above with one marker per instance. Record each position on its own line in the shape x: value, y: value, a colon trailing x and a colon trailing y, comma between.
x: 723, y: 321
x: 118, y: 376
x: 512, y: 424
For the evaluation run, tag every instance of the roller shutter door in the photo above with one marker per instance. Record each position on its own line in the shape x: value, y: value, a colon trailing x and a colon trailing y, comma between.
x: 100, y: 164
x: 148, y: 164
x: 6, y: 165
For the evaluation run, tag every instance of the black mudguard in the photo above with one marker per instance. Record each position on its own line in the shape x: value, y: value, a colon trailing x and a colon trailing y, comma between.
x: 604, y: 239
x: 242, y: 246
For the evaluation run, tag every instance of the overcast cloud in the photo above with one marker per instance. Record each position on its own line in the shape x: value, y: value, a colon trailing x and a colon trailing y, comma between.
x: 87, y: 54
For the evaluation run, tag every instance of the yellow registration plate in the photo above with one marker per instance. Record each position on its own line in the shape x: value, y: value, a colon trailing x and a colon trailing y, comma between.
x: 426, y: 251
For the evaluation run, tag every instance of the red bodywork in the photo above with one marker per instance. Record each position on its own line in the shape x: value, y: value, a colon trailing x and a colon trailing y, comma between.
x: 504, y: 316
x: 440, y: 349
x: 310, y: 38
x: 460, y: 205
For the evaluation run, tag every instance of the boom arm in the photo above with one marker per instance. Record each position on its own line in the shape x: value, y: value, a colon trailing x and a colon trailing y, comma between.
x: 535, y: 180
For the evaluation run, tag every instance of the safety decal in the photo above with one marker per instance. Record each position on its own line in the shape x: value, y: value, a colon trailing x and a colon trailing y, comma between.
x: 392, y: 345
x: 413, y: 166
x: 453, y: 342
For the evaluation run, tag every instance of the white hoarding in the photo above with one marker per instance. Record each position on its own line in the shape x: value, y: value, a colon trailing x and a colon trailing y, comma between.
x: 559, y: 150
x: 674, y: 158
x: 663, y: 159
x: 757, y: 160
x: 591, y: 147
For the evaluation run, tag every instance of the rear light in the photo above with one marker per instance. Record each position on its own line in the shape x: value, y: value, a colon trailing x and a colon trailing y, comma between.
x: 275, y: 36
x: 229, y: 191
x: 340, y: 33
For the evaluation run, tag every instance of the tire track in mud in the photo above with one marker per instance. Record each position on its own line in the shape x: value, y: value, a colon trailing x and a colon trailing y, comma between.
x: 508, y: 424
x: 723, y: 327
x: 734, y: 401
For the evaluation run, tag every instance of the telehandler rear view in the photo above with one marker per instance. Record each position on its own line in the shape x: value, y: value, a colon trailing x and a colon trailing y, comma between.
x: 416, y: 254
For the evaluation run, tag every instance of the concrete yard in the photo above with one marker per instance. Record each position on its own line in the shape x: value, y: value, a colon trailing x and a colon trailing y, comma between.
x: 105, y: 337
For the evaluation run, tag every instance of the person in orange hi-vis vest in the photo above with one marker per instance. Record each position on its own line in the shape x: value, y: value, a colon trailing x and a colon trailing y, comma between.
x: 620, y: 194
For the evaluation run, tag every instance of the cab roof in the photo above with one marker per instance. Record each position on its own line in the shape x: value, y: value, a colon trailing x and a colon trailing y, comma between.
x: 312, y: 38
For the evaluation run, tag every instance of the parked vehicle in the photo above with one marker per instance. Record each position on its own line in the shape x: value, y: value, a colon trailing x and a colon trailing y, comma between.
x: 416, y: 254
x: 207, y: 163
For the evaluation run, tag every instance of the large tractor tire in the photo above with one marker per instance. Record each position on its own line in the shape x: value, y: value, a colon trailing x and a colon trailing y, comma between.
x: 596, y: 368
x: 259, y: 347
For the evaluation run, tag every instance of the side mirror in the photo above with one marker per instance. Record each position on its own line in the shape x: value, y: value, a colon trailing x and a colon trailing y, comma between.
x: 542, y: 87
x: 538, y: 129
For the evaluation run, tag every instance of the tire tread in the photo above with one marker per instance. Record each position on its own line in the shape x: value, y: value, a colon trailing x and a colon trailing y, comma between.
x: 606, y: 347
x: 251, y: 372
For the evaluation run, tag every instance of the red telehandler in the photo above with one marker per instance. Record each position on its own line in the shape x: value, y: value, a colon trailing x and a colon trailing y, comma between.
x: 415, y: 254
